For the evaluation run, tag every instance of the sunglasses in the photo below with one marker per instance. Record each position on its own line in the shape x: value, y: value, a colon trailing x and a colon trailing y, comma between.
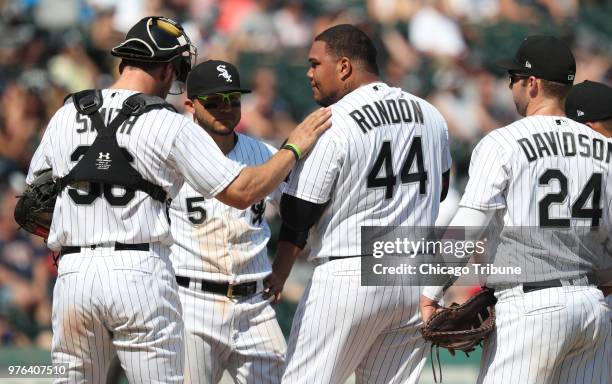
x: 514, y: 77
x: 212, y: 101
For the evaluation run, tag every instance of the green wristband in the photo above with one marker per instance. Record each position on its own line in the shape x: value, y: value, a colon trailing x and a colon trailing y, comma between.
x: 293, y: 148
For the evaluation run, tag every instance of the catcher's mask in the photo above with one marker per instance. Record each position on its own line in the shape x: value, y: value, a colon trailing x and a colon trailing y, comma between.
x: 158, y: 39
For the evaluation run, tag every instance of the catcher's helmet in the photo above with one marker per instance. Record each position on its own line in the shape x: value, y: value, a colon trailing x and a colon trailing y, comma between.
x: 158, y: 39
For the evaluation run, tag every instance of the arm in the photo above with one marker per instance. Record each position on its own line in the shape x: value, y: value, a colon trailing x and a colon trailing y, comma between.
x: 489, y: 175
x: 447, y: 162
x: 255, y: 183
x: 196, y: 156
x: 274, y: 283
x: 465, y: 217
x: 445, y: 185
x: 298, y: 217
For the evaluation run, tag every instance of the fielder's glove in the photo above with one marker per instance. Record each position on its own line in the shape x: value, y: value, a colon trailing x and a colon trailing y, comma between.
x: 462, y: 327
x: 34, y: 210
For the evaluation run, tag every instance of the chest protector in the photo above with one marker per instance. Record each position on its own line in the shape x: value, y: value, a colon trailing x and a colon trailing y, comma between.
x: 104, y: 161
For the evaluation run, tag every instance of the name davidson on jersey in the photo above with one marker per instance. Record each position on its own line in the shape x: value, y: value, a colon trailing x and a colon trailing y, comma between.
x: 567, y: 144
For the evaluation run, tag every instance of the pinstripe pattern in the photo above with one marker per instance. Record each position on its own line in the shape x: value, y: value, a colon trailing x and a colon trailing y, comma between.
x: 339, y: 164
x: 228, y: 245
x: 341, y: 327
x: 168, y: 148
x: 553, y: 335
x: 563, y: 336
x: 109, y: 303
x: 240, y: 336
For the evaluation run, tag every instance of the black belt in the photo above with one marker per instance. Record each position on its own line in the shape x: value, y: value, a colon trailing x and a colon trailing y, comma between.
x: 536, y: 286
x: 230, y: 290
x: 118, y: 247
x: 342, y: 257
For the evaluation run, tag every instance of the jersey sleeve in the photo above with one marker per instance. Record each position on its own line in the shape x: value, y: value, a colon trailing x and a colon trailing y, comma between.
x: 489, y: 176
x: 275, y: 197
x: 196, y: 156
x: 313, y: 178
x: 40, y: 161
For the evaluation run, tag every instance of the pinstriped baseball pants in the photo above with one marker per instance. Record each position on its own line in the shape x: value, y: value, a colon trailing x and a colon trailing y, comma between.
x: 109, y: 303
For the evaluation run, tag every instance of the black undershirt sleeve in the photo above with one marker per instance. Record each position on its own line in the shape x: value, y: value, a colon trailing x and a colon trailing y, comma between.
x: 445, y: 185
x: 298, y: 216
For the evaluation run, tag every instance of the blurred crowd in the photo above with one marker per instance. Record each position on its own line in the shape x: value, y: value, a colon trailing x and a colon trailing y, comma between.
x: 441, y: 50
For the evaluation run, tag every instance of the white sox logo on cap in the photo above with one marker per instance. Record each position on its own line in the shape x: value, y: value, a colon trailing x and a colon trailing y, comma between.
x: 223, y: 73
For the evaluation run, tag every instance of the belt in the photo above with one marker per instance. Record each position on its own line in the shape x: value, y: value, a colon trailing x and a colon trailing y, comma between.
x: 536, y: 286
x: 118, y: 247
x: 342, y: 257
x: 233, y: 291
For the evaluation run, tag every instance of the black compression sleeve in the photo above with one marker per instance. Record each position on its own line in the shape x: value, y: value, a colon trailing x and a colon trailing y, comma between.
x: 445, y: 185
x: 298, y: 216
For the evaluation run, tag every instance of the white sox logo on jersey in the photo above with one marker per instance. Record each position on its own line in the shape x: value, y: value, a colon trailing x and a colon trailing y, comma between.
x: 223, y: 73
x: 258, y: 210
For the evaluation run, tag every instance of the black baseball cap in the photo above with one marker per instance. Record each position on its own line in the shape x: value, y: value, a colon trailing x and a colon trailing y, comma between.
x: 589, y: 101
x: 545, y: 57
x: 213, y: 76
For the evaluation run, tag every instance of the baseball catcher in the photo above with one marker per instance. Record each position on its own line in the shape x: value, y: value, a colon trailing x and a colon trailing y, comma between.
x: 34, y: 210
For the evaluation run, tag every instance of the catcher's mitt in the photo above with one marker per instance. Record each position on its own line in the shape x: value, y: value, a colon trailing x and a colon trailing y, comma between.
x: 462, y: 327
x: 34, y: 210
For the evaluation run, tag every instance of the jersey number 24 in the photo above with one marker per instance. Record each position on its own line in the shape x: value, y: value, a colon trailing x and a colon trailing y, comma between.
x: 591, y: 189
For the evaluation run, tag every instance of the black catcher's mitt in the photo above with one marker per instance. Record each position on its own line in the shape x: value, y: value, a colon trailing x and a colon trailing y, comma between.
x: 463, y: 326
x: 34, y: 210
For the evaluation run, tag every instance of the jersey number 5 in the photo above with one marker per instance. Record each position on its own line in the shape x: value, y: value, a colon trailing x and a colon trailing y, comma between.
x: 388, y: 181
x: 95, y: 188
x: 195, y: 213
x: 591, y: 188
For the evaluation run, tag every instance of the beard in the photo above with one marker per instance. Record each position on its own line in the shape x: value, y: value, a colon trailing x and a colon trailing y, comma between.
x: 324, y: 100
x: 226, y: 132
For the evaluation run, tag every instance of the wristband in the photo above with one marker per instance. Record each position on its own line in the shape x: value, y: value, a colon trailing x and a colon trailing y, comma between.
x: 294, y: 149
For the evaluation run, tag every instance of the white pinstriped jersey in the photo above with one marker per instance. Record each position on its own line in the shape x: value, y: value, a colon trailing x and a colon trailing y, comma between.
x: 216, y: 242
x: 543, y: 171
x: 167, y: 149
x: 380, y: 164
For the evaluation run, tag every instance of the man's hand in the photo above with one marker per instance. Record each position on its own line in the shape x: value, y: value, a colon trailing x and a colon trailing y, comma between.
x: 286, y: 253
x: 273, y: 286
x: 428, y: 308
x: 308, y: 131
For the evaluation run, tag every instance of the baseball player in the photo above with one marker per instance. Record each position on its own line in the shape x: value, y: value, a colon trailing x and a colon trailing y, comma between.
x: 381, y: 164
x: 542, y: 179
x: 219, y: 252
x: 590, y: 103
x: 118, y: 154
